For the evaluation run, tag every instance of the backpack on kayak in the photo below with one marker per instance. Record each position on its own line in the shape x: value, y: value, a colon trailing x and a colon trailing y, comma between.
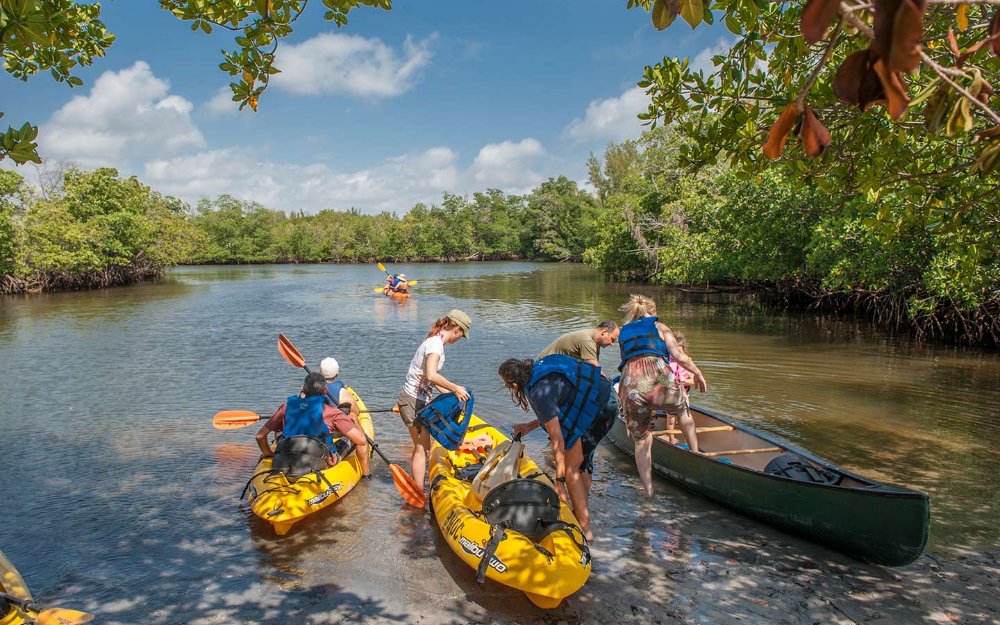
x: 447, y: 419
x: 797, y: 468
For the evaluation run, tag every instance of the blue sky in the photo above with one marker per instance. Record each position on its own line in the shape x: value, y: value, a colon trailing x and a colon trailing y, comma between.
x: 398, y: 107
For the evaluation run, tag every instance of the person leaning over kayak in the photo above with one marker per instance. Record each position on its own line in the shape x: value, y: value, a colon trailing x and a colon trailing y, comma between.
x: 330, y: 369
x: 576, y: 406
x: 309, y: 414
x: 584, y: 345
x: 422, y: 377
x: 649, y: 389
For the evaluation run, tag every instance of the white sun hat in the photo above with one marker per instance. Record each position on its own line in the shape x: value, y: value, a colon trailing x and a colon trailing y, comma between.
x: 329, y: 367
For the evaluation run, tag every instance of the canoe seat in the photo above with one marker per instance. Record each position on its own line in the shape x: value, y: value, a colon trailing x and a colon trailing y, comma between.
x: 738, y: 452
x: 701, y: 430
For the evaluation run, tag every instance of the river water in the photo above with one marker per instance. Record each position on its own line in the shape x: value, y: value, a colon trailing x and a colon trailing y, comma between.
x: 120, y: 498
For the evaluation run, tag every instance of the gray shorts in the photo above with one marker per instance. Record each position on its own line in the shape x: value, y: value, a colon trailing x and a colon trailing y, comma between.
x: 408, y: 407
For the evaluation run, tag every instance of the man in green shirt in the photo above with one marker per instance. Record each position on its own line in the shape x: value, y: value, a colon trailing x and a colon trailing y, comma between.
x: 584, y: 345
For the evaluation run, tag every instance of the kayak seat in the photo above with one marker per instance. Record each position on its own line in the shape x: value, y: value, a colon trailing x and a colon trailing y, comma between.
x: 527, y: 506
x: 296, y: 456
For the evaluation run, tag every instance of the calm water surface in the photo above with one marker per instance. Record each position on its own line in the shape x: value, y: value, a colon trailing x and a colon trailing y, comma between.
x: 121, y: 498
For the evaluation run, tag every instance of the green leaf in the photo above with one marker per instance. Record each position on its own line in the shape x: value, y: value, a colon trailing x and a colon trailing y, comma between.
x: 692, y: 11
x: 663, y: 14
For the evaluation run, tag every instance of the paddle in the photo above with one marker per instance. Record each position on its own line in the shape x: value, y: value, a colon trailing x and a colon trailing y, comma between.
x: 412, y: 492
x: 235, y: 419
x: 49, y: 616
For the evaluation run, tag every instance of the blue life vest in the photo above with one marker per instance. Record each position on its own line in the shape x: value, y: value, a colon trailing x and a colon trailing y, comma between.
x: 447, y: 419
x: 304, y: 417
x: 334, y: 387
x: 582, y: 407
x: 641, y: 338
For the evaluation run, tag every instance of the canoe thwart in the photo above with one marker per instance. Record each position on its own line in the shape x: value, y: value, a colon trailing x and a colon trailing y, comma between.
x: 736, y: 452
x: 714, y: 428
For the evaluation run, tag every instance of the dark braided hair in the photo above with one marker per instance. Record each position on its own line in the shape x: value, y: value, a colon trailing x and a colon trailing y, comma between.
x: 515, y: 373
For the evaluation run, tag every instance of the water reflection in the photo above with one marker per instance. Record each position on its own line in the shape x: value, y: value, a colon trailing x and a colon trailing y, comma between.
x: 110, y: 394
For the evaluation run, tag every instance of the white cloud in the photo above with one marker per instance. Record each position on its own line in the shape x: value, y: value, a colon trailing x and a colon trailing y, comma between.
x: 396, y: 184
x: 703, y: 60
x: 334, y: 63
x: 507, y: 164
x: 611, y: 118
x: 127, y: 115
x: 222, y: 103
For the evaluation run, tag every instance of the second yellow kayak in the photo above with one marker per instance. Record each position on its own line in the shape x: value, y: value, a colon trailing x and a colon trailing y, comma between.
x: 283, y: 503
x: 547, y: 571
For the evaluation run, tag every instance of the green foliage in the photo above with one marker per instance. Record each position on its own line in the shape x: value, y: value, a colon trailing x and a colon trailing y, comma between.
x: 560, y: 220
x: 95, y: 223
x: 38, y: 35
x: 11, y: 188
x: 490, y: 226
x: 732, y: 225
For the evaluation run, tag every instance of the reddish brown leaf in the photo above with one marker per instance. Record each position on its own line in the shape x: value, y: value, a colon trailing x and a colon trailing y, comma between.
x: 778, y: 135
x: 815, y: 137
x: 898, y: 29
x: 952, y: 42
x: 856, y: 81
x: 895, y: 90
x: 816, y: 18
x: 994, y: 32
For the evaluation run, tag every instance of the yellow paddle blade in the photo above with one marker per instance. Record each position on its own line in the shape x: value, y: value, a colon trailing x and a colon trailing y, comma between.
x: 381, y: 267
x: 62, y: 616
x: 289, y: 352
x: 233, y: 419
x: 380, y: 289
x: 412, y: 282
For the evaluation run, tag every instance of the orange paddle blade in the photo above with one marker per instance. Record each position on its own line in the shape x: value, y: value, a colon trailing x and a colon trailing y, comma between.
x: 289, y: 352
x: 407, y: 487
x: 233, y: 419
x: 62, y: 616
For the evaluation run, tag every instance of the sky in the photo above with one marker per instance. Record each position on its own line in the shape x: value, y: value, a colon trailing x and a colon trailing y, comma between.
x: 397, y: 108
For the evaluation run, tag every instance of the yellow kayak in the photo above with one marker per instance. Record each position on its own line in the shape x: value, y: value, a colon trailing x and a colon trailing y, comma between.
x: 547, y: 571
x: 283, y: 503
x: 12, y: 584
x: 16, y: 606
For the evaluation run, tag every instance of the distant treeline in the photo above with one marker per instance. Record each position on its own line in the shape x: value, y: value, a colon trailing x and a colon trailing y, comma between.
x: 94, y: 229
x: 553, y: 222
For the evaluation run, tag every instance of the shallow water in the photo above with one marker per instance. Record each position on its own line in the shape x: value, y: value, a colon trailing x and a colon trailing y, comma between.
x: 122, y: 499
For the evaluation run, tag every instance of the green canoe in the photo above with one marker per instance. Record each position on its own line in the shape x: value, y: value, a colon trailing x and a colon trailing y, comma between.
x: 874, y: 522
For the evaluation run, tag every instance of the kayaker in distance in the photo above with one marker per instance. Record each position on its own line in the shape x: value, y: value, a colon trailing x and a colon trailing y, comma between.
x: 584, y: 345
x: 309, y: 414
x: 396, y: 283
x: 576, y: 406
x: 330, y: 369
x: 422, y: 377
x: 648, y: 388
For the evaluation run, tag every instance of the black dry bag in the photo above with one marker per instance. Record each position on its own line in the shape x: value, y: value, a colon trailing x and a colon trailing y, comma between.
x: 797, y: 468
x: 296, y: 456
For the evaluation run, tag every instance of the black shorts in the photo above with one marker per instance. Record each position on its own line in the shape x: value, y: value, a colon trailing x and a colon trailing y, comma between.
x: 597, y: 431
